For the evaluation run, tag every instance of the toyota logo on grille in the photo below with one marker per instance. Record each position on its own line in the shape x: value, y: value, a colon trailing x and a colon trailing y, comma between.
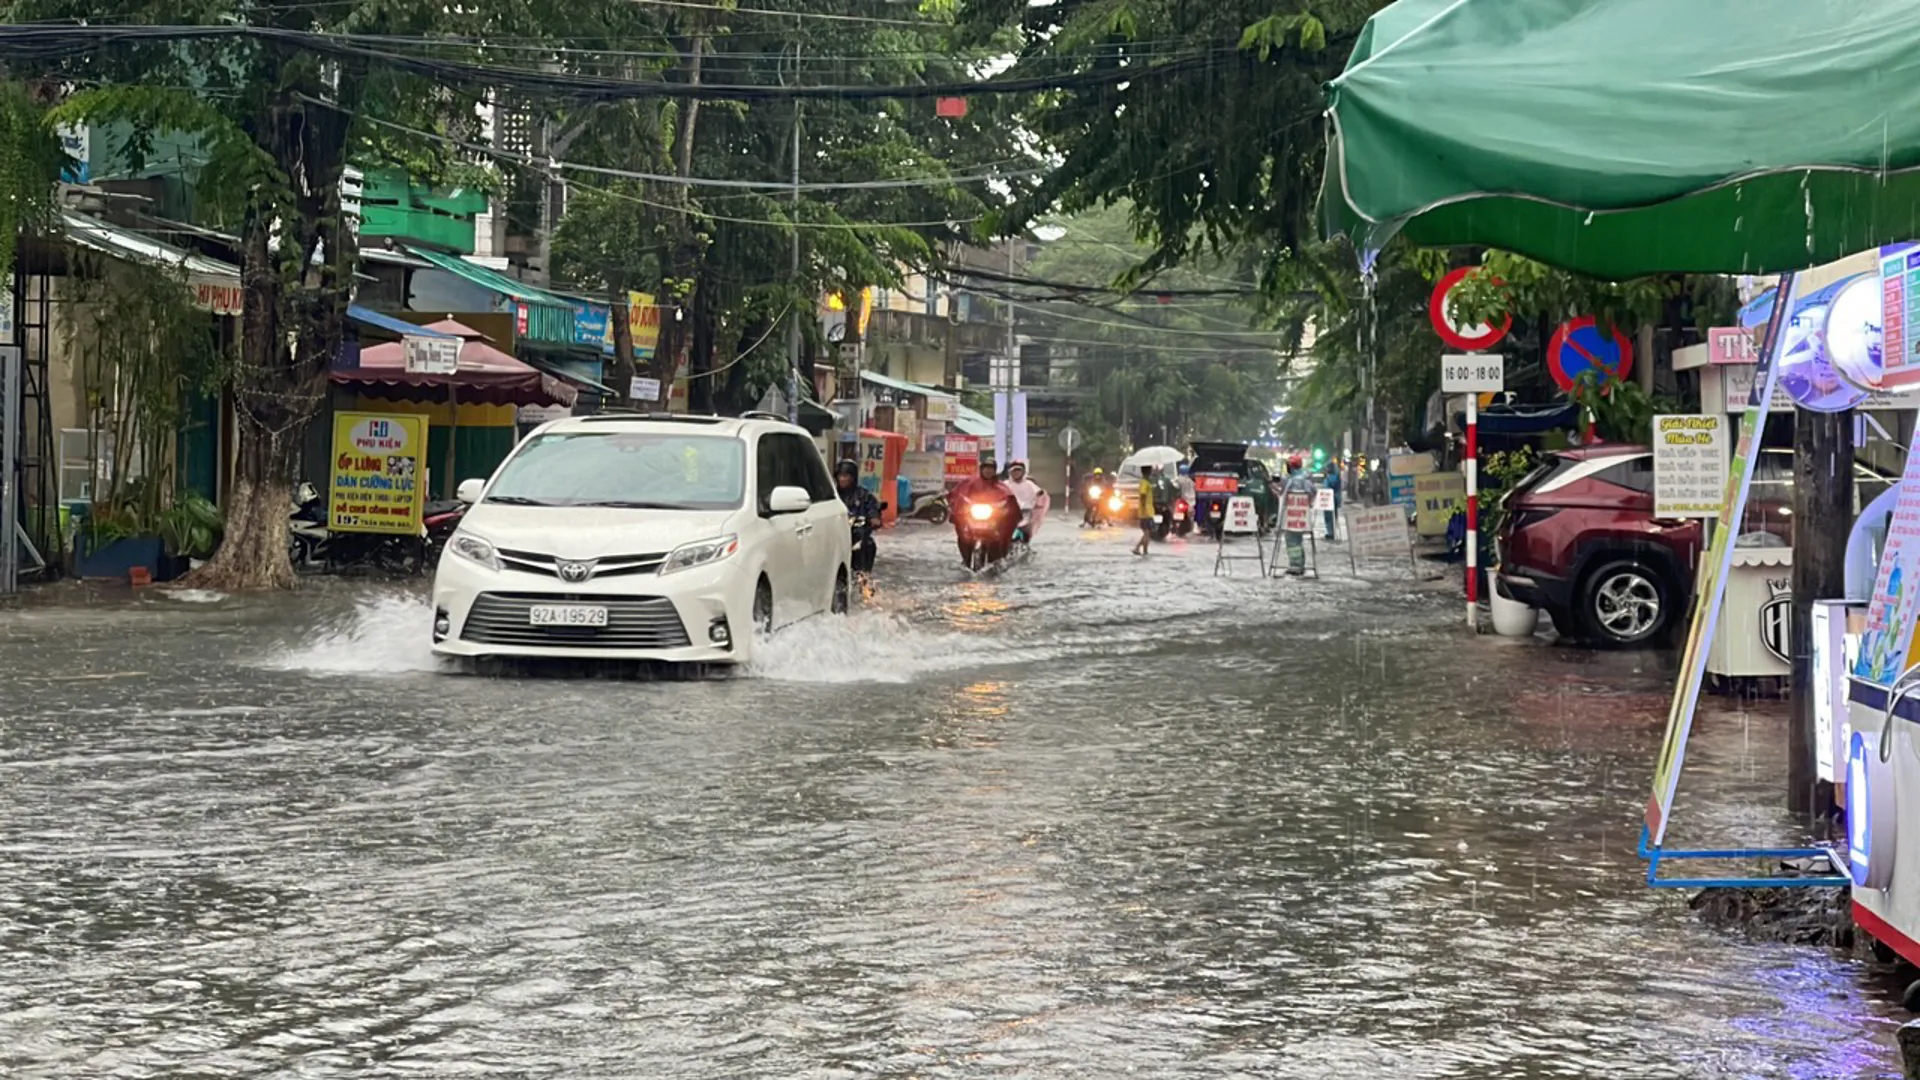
x: 575, y: 571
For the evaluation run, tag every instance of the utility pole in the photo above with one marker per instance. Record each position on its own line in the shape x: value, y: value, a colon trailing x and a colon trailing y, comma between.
x: 793, y: 325
x: 1822, y: 516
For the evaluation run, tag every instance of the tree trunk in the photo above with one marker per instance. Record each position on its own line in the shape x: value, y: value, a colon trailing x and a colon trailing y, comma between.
x: 620, y: 374
x: 700, y: 354
x: 253, y: 550
x: 296, y: 270
x: 1822, y: 520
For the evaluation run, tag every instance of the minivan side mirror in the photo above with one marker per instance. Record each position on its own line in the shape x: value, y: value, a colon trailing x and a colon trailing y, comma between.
x: 789, y: 499
x: 469, y: 491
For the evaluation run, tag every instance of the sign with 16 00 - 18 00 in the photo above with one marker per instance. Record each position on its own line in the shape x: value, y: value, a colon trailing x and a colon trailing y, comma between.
x: 1472, y: 373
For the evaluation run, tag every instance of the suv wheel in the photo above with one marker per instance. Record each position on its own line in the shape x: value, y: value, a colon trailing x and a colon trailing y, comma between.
x: 840, y: 590
x: 1625, y: 603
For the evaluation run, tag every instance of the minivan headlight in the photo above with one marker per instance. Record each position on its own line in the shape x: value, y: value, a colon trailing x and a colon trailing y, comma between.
x: 700, y: 553
x: 473, y: 549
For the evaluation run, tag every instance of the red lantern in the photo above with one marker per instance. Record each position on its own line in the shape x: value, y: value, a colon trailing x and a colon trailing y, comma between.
x: 950, y: 108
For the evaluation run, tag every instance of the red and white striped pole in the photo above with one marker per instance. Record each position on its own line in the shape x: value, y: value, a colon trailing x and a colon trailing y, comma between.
x: 1473, y: 511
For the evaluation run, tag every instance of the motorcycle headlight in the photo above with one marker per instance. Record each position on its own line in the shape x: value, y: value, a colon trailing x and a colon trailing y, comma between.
x: 980, y: 511
x: 1116, y: 503
x: 474, y: 549
x: 1096, y: 489
x: 700, y: 553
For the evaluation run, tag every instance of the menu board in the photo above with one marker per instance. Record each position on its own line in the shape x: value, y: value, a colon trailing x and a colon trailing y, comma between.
x: 1900, y: 312
x: 1689, y: 465
x: 1896, y: 590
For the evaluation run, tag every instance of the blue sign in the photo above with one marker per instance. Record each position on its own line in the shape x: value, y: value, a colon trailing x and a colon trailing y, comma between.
x: 1400, y: 489
x: 592, y: 326
x: 1580, y: 346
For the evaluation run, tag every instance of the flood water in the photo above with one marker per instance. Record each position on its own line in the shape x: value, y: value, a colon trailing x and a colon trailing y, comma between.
x: 1096, y: 818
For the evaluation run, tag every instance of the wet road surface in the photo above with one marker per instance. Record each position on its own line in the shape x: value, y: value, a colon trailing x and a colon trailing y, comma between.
x: 1096, y: 818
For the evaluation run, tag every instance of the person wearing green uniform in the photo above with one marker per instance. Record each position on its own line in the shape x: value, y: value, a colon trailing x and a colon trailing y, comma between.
x: 1147, y: 514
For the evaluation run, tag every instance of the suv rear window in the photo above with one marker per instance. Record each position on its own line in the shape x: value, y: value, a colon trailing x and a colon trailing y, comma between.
x: 1635, y: 473
x: 1552, y: 468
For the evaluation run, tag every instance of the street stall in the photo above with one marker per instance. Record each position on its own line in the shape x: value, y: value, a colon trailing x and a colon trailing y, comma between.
x: 468, y: 398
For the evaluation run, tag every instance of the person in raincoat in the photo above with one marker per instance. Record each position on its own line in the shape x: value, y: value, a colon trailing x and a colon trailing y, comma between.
x: 1297, y: 485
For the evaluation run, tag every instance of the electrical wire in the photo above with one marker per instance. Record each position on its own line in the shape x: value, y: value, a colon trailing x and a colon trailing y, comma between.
x: 33, y: 45
x: 770, y: 186
x: 871, y: 20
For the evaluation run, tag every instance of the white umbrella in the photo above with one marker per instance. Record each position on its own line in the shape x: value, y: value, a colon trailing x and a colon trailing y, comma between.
x: 1160, y: 457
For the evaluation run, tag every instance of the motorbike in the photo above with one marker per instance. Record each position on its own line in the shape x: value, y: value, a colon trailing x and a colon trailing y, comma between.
x: 862, y: 529
x: 1097, y: 498
x: 931, y: 506
x: 440, y: 518
x: 988, y: 533
x: 313, y: 547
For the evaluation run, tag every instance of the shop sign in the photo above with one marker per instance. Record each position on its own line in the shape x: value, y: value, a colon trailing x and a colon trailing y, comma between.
x: 962, y: 457
x: 1689, y: 465
x: 222, y: 296
x: 923, y: 470
x: 1776, y: 615
x: 644, y: 389
x: 1896, y: 591
x: 940, y: 410
x: 592, y: 326
x: 1900, y: 319
x: 1732, y: 345
x: 376, y: 485
x: 1437, y: 497
x: 873, y: 463
x: 1377, y: 530
x: 431, y: 355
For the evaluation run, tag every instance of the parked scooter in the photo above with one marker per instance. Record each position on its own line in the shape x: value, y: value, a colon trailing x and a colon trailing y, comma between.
x: 314, y: 548
x: 930, y: 506
x: 440, y: 518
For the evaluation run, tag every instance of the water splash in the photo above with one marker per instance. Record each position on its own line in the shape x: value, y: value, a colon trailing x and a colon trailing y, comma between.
x: 384, y: 635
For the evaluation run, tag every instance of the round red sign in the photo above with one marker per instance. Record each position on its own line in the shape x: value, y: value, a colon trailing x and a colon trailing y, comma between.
x: 1464, y: 338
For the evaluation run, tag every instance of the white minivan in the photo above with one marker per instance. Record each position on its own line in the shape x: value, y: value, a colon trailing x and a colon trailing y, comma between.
x: 672, y: 538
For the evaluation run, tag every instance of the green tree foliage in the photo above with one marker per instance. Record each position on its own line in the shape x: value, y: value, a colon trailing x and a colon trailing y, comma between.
x: 278, y: 124
x: 1160, y: 367
x: 723, y: 255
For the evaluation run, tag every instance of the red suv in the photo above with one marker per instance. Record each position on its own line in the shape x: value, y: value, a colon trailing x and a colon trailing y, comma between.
x: 1580, y: 541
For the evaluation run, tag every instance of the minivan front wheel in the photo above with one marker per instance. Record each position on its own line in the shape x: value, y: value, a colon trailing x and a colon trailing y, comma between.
x: 763, y: 607
x: 1625, y: 603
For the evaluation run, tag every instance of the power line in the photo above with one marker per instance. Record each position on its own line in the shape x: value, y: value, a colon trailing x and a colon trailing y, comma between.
x: 664, y: 178
x: 873, y: 20
x: 32, y: 46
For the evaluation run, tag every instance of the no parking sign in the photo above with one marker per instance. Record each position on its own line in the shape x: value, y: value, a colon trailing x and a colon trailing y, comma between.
x: 1580, y: 346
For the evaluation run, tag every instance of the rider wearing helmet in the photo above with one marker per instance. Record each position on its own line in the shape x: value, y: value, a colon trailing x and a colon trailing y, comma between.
x: 863, y: 511
x: 1025, y: 492
x: 1093, y: 489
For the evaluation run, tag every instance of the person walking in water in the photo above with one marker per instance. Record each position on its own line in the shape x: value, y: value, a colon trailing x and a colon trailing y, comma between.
x: 1146, y: 513
x: 1298, y: 486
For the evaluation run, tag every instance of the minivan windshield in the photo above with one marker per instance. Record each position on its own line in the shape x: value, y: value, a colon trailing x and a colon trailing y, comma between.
x: 638, y: 470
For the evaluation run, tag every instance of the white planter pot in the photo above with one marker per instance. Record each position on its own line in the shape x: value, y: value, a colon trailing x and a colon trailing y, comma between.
x: 1511, y: 618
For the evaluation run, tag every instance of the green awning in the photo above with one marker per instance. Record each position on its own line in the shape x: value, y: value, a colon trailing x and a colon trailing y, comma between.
x: 904, y: 387
x: 1626, y: 137
x: 549, y: 318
